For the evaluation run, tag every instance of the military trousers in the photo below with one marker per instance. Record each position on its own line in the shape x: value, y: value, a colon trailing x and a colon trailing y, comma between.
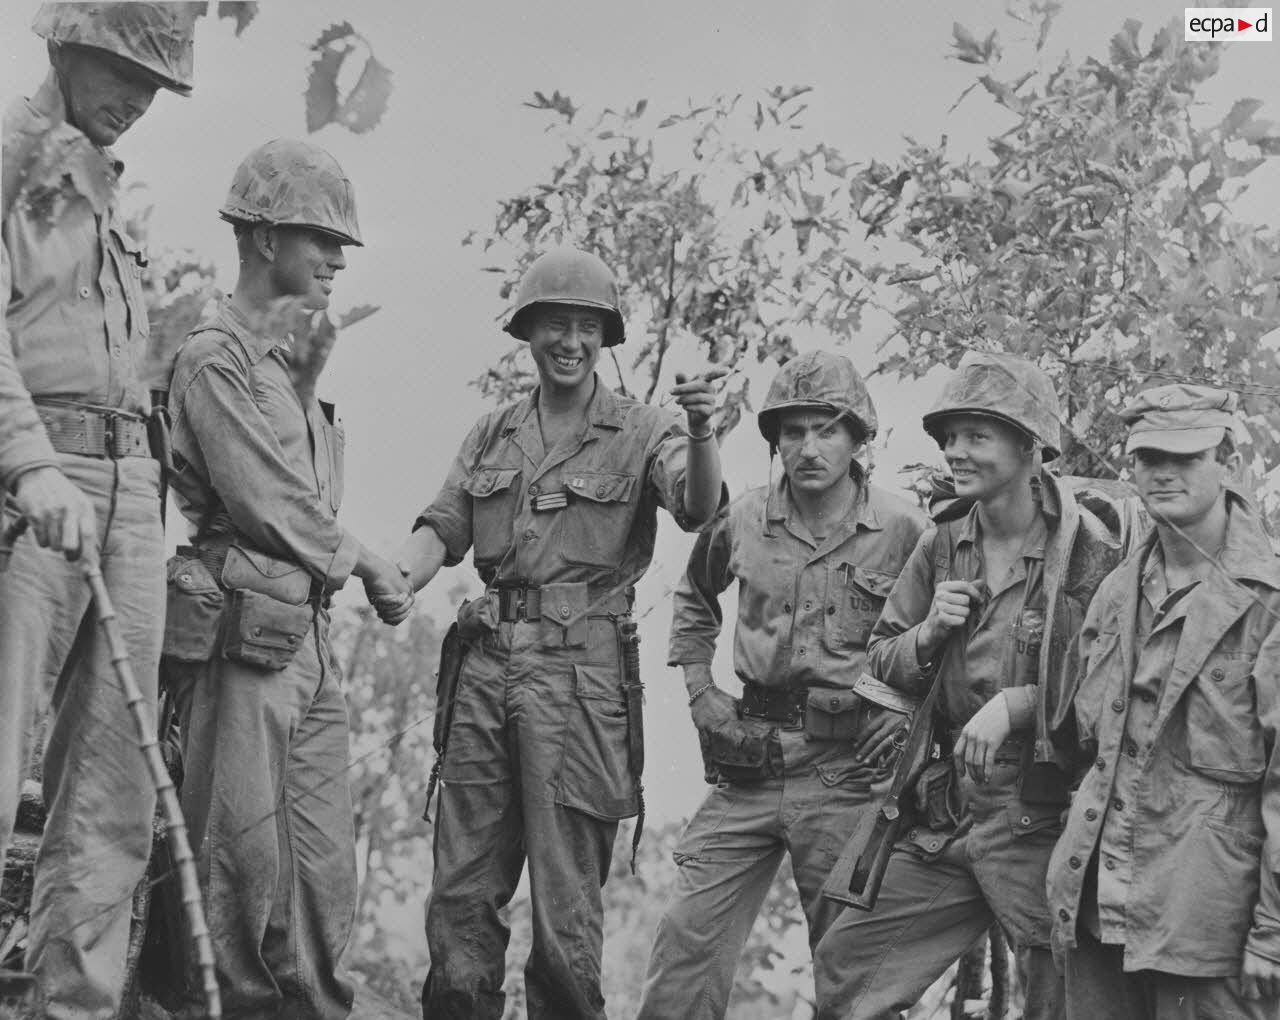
x: 99, y: 795
x: 727, y: 859
x: 1099, y: 988
x: 939, y: 896
x: 536, y: 770
x: 265, y: 755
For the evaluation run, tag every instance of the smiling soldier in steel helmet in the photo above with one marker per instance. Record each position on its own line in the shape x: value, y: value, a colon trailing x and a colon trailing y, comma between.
x: 259, y: 478
x: 794, y: 759
x: 557, y: 495
x: 988, y: 604
x: 76, y: 462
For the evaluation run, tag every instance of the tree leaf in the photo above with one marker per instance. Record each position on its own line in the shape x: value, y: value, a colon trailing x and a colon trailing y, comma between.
x: 243, y: 11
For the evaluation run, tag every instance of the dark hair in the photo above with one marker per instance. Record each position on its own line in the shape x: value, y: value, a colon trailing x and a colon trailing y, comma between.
x: 1223, y: 451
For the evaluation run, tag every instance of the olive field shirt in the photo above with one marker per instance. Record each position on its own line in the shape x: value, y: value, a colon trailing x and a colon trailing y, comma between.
x: 805, y: 609
x: 628, y: 460
x: 74, y: 317
x: 253, y: 461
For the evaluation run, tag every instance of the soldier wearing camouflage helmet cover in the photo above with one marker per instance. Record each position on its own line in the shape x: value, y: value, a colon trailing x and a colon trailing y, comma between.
x: 557, y: 495
x: 76, y: 462
x: 263, y: 716
x: 795, y: 758
x: 1164, y: 886
x: 989, y: 604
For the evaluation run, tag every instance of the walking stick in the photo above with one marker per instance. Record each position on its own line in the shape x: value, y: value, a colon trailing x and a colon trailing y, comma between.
x: 170, y: 810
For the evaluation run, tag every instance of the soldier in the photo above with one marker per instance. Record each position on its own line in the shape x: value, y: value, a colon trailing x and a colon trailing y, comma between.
x: 795, y: 759
x: 264, y: 719
x: 558, y: 493
x: 987, y: 603
x: 1164, y: 884
x: 76, y: 462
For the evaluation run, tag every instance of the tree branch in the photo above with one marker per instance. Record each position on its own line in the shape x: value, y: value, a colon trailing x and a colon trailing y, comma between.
x: 669, y: 307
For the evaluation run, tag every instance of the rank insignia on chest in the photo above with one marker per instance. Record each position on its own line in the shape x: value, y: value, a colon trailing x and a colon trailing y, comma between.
x: 557, y: 500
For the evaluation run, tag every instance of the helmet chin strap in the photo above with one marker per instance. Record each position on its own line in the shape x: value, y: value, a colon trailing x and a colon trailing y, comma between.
x: 57, y: 59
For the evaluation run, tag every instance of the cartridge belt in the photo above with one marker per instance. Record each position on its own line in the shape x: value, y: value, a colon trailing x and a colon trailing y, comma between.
x: 520, y: 601
x: 89, y: 431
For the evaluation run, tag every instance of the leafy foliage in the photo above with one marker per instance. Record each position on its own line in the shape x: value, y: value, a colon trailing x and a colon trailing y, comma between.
x: 362, y: 107
x: 727, y: 236
x: 1095, y: 235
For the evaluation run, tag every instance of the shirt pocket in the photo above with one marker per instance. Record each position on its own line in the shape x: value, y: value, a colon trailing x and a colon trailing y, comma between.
x: 1224, y: 736
x: 859, y: 599
x: 597, y: 521
x: 493, y: 491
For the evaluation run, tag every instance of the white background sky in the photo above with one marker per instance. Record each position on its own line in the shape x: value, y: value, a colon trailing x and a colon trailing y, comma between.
x: 456, y: 139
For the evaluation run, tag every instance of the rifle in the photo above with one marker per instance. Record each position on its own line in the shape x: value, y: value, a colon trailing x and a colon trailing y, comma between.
x: 452, y: 652
x: 856, y: 878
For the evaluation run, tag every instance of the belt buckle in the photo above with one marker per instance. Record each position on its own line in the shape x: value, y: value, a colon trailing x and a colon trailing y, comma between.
x: 512, y: 603
x: 109, y: 436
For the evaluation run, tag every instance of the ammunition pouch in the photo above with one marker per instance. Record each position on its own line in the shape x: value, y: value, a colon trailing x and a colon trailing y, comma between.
x: 193, y: 608
x: 938, y: 796
x: 261, y: 631
x: 744, y: 751
x: 831, y: 714
x: 270, y: 608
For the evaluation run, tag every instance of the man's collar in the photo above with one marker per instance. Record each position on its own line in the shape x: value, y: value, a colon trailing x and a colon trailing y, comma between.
x: 603, y: 411
x: 257, y: 344
x: 780, y: 507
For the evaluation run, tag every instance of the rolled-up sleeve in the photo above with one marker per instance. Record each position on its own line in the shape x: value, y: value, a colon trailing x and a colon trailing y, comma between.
x: 891, y: 652
x: 268, y: 500
x: 449, y: 514
x: 24, y: 444
x: 697, y: 617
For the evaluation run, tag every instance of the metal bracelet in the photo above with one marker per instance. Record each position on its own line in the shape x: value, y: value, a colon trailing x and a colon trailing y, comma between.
x: 701, y: 691
x: 703, y: 437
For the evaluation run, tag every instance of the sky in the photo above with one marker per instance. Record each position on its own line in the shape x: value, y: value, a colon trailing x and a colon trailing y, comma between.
x: 456, y: 138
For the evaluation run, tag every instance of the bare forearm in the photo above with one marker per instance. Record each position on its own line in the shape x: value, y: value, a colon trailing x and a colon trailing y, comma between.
x: 703, y: 480
x: 422, y: 554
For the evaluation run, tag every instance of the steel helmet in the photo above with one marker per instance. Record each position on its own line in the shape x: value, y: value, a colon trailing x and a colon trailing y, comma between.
x: 1006, y: 387
x: 569, y: 276
x: 157, y: 37
x: 820, y: 380
x: 294, y: 184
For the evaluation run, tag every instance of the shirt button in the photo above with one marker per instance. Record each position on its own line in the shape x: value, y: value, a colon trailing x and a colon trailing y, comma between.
x: 533, y: 489
x: 1074, y: 861
x: 786, y: 607
x: 108, y: 289
x: 1218, y: 674
x: 564, y: 612
x: 1109, y: 864
x: 115, y: 352
x: 1091, y: 815
x: 1064, y: 914
x: 835, y: 703
x: 600, y: 490
x: 1024, y: 821
x: 1117, y: 705
x: 808, y: 606
x: 801, y: 653
x: 530, y: 535
x: 1131, y: 750
x: 831, y: 610
x: 1118, y: 803
x: 84, y: 292
x: 1100, y: 764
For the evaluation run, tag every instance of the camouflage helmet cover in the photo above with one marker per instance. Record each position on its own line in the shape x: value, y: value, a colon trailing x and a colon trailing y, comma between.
x: 569, y: 276
x: 293, y: 183
x: 157, y: 37
x: 1005, y: 387
x: 821, y: 380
